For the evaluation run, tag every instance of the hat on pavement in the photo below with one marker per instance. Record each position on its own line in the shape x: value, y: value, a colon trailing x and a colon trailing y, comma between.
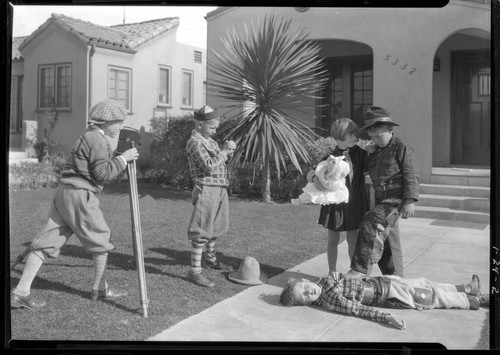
x: 376, y: 114
x: 205, y: 113
x: 107, y: 111
x: 248, y: 273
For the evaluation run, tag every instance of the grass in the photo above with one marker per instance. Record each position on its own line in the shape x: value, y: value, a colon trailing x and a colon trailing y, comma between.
x: 278, y: 236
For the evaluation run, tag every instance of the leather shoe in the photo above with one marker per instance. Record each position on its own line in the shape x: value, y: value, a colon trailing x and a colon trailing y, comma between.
x: 29, y: 301
x: 484, y: 300
x: 353, y: 274
x: 217, y: 265
x: 109, y: 294
x: 200, y: 280
x: 474, y: 287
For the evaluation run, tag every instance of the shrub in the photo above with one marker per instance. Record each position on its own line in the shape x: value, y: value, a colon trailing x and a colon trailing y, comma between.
x: 27, y: 175
x: 169, y: 165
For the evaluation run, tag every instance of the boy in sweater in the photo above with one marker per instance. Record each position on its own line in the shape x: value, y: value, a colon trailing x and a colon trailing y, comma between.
x: 75, y: 207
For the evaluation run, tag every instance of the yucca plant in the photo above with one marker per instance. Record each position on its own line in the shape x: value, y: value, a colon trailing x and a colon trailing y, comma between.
x: 263, y: 76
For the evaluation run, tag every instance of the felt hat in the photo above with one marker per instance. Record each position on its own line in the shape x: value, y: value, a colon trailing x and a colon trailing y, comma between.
x: 205, y: 113
x: 376, y: 114
x: 107, y: 111
x: 248, y: 273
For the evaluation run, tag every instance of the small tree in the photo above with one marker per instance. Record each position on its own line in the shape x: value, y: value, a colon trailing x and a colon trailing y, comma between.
x: 269, y: 69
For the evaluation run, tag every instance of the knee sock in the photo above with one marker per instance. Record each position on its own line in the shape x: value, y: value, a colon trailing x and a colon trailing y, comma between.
x: 196, y: 251
x: 33, y: 263
x: 210, y: 252
x: 100, y: 261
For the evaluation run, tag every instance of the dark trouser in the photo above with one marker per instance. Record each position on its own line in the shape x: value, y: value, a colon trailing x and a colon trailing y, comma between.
x: 371, y: 247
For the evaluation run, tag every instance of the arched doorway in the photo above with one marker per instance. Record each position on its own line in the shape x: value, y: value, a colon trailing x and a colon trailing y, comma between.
x: 461, y: 100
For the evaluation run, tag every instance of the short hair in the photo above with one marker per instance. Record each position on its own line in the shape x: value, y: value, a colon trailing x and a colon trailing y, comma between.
x: 343, y: 126
x: 287, y: 297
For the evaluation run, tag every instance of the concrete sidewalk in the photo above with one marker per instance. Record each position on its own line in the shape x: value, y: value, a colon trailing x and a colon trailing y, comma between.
x: 438, y: 252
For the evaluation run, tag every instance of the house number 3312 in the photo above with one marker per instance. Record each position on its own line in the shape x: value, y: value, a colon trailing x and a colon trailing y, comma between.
x: 395, y: 61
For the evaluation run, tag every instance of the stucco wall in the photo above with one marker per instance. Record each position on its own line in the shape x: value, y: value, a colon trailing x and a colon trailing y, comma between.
x: 56, y: 46
x: 403, y: 42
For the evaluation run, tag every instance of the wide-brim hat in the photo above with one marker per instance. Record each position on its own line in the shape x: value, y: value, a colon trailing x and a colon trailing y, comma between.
x: 205, y: 113
x: 248, y: 273
x: 107, y: 111
x: 377, y: 115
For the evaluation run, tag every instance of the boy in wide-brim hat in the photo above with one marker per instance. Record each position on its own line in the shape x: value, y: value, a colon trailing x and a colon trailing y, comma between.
x: 393, y: 171
x: 210, y: 217
x: 75, y: 207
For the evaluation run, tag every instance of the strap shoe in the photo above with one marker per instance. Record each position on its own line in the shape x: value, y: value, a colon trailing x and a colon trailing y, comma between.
x: 109, y: 294
x: 29, y: 301
x: 200, y: 280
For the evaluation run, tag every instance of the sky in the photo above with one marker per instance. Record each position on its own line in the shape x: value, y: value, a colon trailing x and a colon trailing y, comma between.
x: 192, y: 28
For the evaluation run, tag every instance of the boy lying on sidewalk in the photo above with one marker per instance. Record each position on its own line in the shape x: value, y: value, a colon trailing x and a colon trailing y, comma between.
x: 355, y: 296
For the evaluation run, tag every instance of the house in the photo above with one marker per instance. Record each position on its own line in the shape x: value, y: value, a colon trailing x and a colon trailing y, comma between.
x: 68, y: 65
x: 430, y: 67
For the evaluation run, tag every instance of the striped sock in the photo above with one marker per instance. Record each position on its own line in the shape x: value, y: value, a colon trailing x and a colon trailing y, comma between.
x: 100, y: 261
x: 210, y: 254
x: 33, y: 263
x: 196, y: 251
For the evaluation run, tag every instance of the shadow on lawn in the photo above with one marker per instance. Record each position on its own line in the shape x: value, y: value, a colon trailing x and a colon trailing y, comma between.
x: 148, y: 189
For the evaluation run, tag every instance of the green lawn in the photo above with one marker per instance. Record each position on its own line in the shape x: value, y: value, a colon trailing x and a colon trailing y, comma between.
x: 277, y: 235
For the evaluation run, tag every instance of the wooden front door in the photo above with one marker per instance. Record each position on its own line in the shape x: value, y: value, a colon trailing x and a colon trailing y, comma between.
x: 470, y: 120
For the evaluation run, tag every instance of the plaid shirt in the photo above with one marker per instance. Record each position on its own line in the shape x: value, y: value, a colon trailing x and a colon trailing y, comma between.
x: 344, y: 296
x: 207, y: 162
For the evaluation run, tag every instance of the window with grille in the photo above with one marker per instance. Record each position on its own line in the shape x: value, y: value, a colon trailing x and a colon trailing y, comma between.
x: 187, y: 88
x: 164, y: 85
x: 197, y: 57
x: 119, y: 85
x: 54, y: 86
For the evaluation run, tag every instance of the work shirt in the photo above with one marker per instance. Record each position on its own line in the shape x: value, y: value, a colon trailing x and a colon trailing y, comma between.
x: 207, y: 163
x: 394, y: 162
x: 343, y: 295
x: 91, y: 163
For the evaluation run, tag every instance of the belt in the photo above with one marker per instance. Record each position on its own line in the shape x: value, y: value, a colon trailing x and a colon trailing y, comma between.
x: 368, y: 293
x: 391, y: 184
x: 375, y: 291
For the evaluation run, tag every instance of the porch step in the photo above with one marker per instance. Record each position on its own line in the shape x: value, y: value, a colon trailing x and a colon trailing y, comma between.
x: 458, y: 194
x: 478, y: 204
x: 455, y: 190
x: 444, y: 213
x: 461, y: 177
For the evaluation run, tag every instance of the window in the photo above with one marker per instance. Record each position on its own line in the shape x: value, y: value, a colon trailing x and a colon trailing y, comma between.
x: 16, y: 89
x: 54, y: 90
x: 187, y: 88
x: 163, y: 86
x: 119, y: 85
x: 197, y: 56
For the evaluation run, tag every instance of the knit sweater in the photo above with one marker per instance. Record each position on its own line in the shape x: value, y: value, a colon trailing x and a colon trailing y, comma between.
x: 91, y: 162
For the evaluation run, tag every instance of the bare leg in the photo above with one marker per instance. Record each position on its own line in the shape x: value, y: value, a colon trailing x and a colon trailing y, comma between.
x: 352, y: 238
x: 332, y: 249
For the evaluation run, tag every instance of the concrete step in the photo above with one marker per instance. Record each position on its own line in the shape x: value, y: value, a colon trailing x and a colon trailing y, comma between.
x: 477, y: 204
x: 451, y: 214
x: 455, y: 190
x: 461, y: 177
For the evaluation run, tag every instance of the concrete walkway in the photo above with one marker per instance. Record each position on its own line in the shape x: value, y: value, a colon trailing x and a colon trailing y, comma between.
x: 438, y: 252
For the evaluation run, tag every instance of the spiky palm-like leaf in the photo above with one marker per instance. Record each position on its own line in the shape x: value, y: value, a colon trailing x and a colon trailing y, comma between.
x: 269, y: 69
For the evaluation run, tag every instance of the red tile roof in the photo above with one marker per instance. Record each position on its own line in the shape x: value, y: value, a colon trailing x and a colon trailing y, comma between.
x: 121, y: 37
